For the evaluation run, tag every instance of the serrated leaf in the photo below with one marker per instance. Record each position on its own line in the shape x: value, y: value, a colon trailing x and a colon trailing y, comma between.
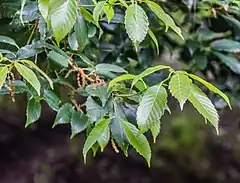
x: 52, y: 99
x: 229, y: 61
x: 64, y: 115
x: 81, y: 31
x: 100, y: 68
x: 153, y: 37
x: 95, y: 112
x: 116, y: 127
x: 155, y: 130
x: 149, y: 71
x: 87, y: 16
x: 33, y: 111
x: 118, y: 79
x: 136, y: 24
x: 210, y: 87
x: 29, y: 76
x: 63, y: 19
x: 179, y: 87
x: 30, y: 63
x: 98, y: 91
x: 151, y: 107
x: 58, y: 58
x: 168, y: 21
x: 138, y: 141
x: 226, y: 45
x: 97, y: 11
x: 3, y: 75
x: 79, y: 122
x: 43, y: 6
x: 94, y: 135
x: 109, y: 11
x: 8, y: 40
x: 204, y: 105
x: 104, y: 139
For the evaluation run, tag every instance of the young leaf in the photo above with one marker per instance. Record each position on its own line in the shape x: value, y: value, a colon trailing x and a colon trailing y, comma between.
x: 138, y: 141
x: 94, y: 136
x: 79, y: 122
x: 153, y: 37
x: 3, y: 75
x: 52, y: 99
x: 33, y: 111
x: 97, y: 11
x: 120, y: 78
x: 151, y: 107
x: 29, y: 76
x: 43, y: 6
x: 231, y: 62
x: 8, y: 40
x: 58, y: 58
x: 168, y: 21
x: 226, y: 45
x: 63, y: 18
x: 204, y: 105
x: 155, y: 129
x: 210, y: 87
x: 109, y: 11
x: 136, y: 24
x: 149, y: 71
x: 31, y: 64
x: 179, y: 87
x: 81, y: 32
x: 95, y: 112
x: 64, y: 115
x: 87, y: 16
x: 109, y: 67
x: 104, y: 139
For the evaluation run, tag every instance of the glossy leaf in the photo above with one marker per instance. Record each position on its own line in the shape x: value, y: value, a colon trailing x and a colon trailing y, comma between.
x: 151, y: 107
x: 179, y: 87
x: 58, y: 58
x: 19, y: 87
x: 79, y: 122
x: 104, y: 139
x: 136, y: 24
x: 138, y: 141
x: 109, y: 11
x: 8, y: 40
x: 33, y: 111
x: 52, y: 99
x: 118, y: 79
x: 204, y: 105
x: 98, y: 91
x: 109, y: 67
x: 29, y: 76
x: 153, y: 37
x: 94, y: 135
x: 64, y: 115
x: 226, y: 45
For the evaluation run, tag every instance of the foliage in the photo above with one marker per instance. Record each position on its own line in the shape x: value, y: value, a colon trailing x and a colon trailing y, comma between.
x: 67, y: 50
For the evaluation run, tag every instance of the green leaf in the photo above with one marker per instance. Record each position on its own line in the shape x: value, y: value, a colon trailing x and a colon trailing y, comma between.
x: 52, y: 99
x: 229, y: 61
x: 98, y: 91
x: 179, y: 87
x: 64, y: 115
x: 79, y: 122
x: 94, y: 136
x: 97, y: 11
x: 72, y: 41
x: 138, y: 141
x: 155, y: 129
x: 232, y: 21
x: 43, y: 6
x: 149, y: 71
x: 109, y: 67
x: 33, y: 111
x: 167, y: 20
x: 136, y: 24
x: 104, y: 139
x: 201, y: 60
x: 3, y: 75
x: 81, y: 31
x: 226, y: 45
x: 204, y: 105
x: 153, y: 37
x: 116, y: 127
x: 31, y: 64
x: 19, y: 87
x: 8, y: 40
x: 109, y: 11
x: 210, y: 87
x: 87, y: 16
x: 118, y: 79
x: 95, y: 112
x: 151, y: 107
x: 58, y: 58
x: 63, y: 19
x: 28, y: 75
x: 23, y: 2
